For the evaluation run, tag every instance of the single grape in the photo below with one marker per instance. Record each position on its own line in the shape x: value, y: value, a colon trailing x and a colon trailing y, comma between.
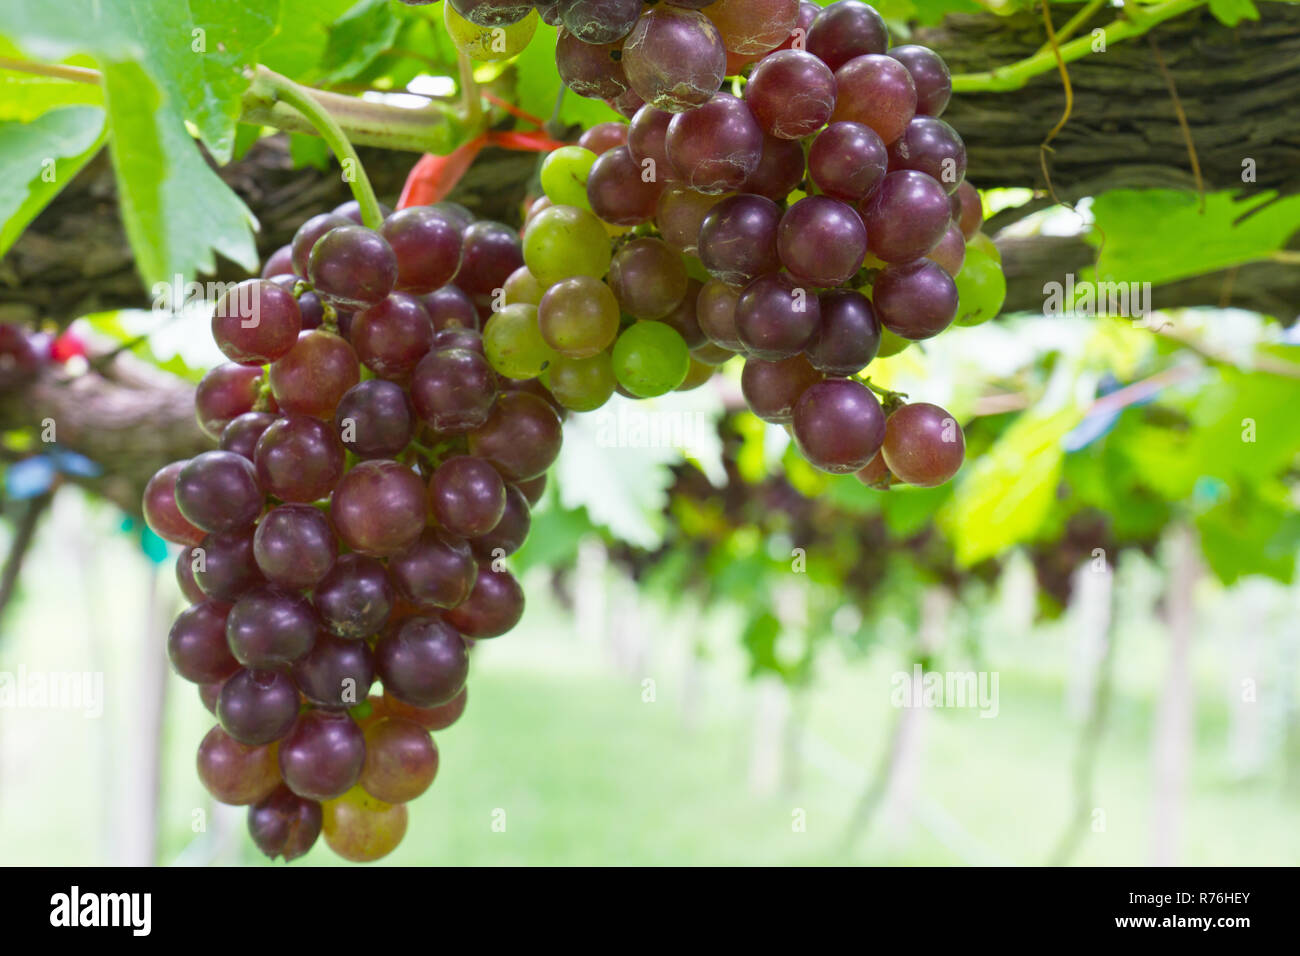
x: 268, y: 627
x: 981, y: 288
x: 378, y: 508
x: 236, y: 773
x: 594, y: 70
x: 646, y: 140
x: 494, y: 606
x: 284, y: 824
x: 650, y: 359
x: 848, y: 161
x: 218, y: 491
x: 738, y: 239
x: 578, y: 317
x: 375, y: 419
x: 715, y: 310
x: 600, y: 21
x: 648, y: 278
x: 565, y: 241
x: 243, y: 432
x: 838, y: 425
x: 715, y: 147
x: 876, y: 474
x: 450, y: 307
x: 521, y: 288
x: 426, y: 243
x: 822, y: 241
x: 466, y: 496
x: 950, y: 252
x: 603, y: 136
x: 791, y: 94
x: 674, y: 59
x: 521, y: 437
x: 490, y: 251
x: 423, y: 661
x: 514, y: 344
x: 533, y: 489
x: 511, y: 531
x: 196, y: 644
x: 931, y: 146
x: 224, y: 565
x: 360, y: 828
x: 780, y: 169
x: 311, y: 377
x: 401, y: 760
x: 679, y: 213
x: 322, y: 756
x: 256, y: 322
x: 564, y: 175
x: 876, y: 91
x: 971, y: 215
x: 453, y: 390
x: 437, y: 571
x: 294, y: 546
x: 355, y: 598
x: 906, y: 216
x: 772, y: 389
x: 279, y: 263
x: 225, y: 393
x: 622, y: 191
x: 930, y: 74
x: 257, y: 707
x: 353, y: 266
x: 299, y: 459
x: 849, y: 335
x: 924, y: 445
x: 584, y: 384
x: 160, y: 512
x: 308, y: 234
x: 430, y: 718
x: 844, y: 30
x: 775, y: 317
x: 336, y: 673
x: 916, y: 300
x: 392, y: 336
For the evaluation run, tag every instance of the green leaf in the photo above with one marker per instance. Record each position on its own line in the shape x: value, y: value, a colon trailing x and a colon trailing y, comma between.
x: 356, y: 38
x: 39, y: 158
x: 1232, y: 12
x: 1251, y: 534
x: 300, y: 39
x: 176, y: 210
x: 1008, y: 494
x: 1159, y: 235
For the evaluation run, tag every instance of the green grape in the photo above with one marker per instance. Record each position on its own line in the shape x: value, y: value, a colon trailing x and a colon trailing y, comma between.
x: 890, y: 344
x: 565, y: 241
x: 981, y: 288
x: 582, y: 385
x: 564, y: 176
x: 488, y: 43
x: 650, y: 359
x: 578, y: 316
x: 982, y: 241
x: 360, y: 828
x: 521, y: 286
x: 513, y: 343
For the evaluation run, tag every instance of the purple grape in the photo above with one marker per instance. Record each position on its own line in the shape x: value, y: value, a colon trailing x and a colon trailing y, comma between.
x: 437, y: 571
x: 738, y: 239
x: 353, y: 266
x: 270, y: 628
x: 299, y: 458
x: 355, y: 598
x: 375, y: 420
x: 848, y: 161
x: 931, y: 146
x: 378, y: 507
x: 336, y: 673
x: 295, y: 546
x: 915, y: 300
x: 849, y: 335
x: 906, y: 216
x: 453, y: 390
x: 322, y: 756
x: 775, y: 318
x: 494, y: 606
x: 218, y: 491
x: 467, y: 496
x: 930, y: 74
x: 838, y: 425
x: 426, y: 244
x: 227, y: 567
x: 822, y: 241
x: 423, y: 662
x: 257, y: 707
x: 715, y: 147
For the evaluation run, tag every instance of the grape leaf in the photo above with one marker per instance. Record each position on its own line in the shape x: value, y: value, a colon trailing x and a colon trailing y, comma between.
x: 40, y: 157
x: 1159, y: 235
x: 1232, y: 12
x: 299, y: 42
x: 356, y: 38
x: 176, y: 210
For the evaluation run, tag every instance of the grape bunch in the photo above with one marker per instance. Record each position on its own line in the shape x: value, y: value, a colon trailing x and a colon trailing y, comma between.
x: 372, y: 474
x: 811, y: 219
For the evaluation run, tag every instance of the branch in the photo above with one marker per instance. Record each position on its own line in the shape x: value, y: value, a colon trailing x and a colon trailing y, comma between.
x: 24, y: 534
x: 1016, y: 75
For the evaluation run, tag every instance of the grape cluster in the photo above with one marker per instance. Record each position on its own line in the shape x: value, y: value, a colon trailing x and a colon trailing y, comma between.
x: 811, y: 219
x: 372, y: 473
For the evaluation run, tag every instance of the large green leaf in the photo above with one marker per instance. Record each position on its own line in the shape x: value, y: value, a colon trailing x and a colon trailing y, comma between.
x: 357, y: 37
x: 1008, y: 494
x: 299, y: 42
x: 176, y: 210
x: 1159, y: 235
x: 39, y: 158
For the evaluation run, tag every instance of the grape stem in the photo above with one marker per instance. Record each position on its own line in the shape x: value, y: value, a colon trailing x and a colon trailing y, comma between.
x: 888, y: 396
x: 281, y: 89
x: 1016, y: 75
x: 471, y: 102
